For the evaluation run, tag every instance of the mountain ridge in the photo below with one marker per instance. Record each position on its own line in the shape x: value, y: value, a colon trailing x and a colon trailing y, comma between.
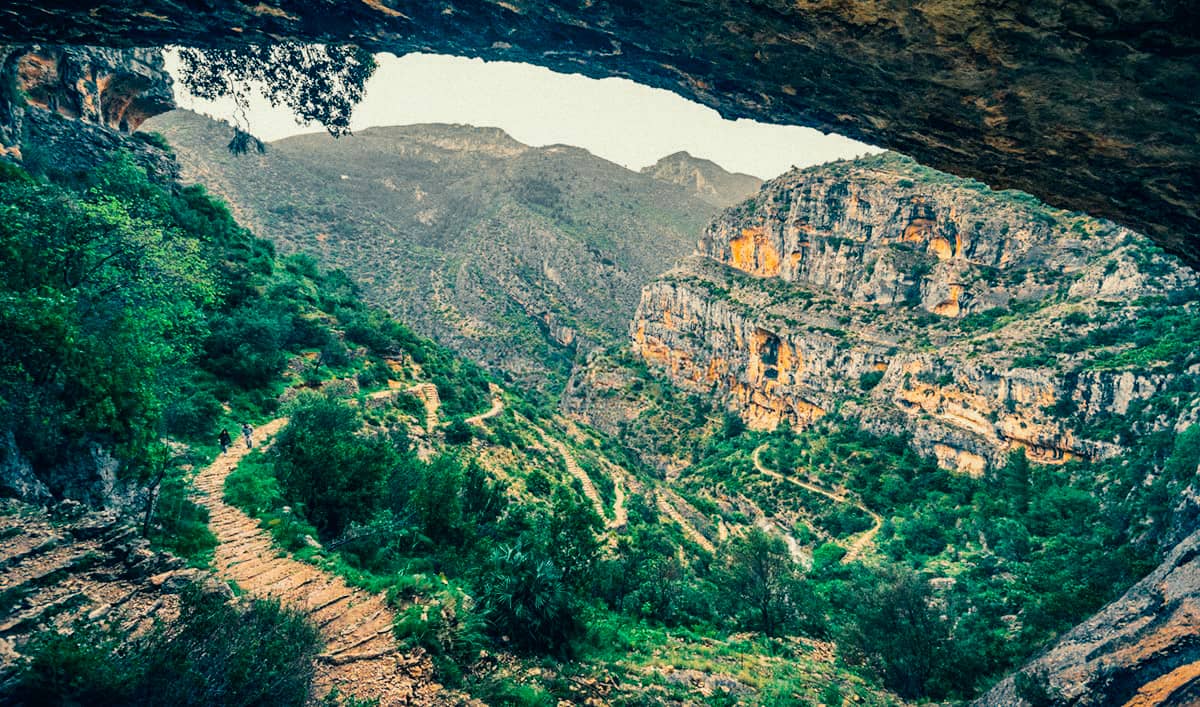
x: 517, y: 256
x: 704, y: 178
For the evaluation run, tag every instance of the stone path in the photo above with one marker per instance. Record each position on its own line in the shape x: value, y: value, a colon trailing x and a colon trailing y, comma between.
x: 361, y: 656
x: 573, y: 468
x: 428, y: 394
x: 863, y: 540
x: 667, y: 507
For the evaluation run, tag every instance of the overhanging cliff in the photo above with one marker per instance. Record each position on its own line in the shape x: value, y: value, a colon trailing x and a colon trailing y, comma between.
x: 1090, y: 104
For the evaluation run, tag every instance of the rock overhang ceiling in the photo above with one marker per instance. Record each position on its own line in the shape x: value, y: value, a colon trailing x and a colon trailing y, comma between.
x: 1093, y: 105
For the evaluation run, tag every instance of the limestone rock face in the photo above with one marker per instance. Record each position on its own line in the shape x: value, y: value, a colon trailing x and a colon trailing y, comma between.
x: 1090, y: 104
x: 977, y: 322
x: 116, y: 88
x: 76, y: 105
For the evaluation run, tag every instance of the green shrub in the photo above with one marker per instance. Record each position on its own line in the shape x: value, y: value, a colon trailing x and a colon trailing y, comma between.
x: 867, y: 381
x: 215, y: 653
x: 325, y: 467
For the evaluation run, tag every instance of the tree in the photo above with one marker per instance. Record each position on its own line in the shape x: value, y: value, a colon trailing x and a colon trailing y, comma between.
x: 100, y: 293
x: 732, y: 426
x: 894, y: 626
x: 525, y: 599
x: 325, y: 465
x: 319, y: 83
x: 760, y: 581
x: 572, y: 537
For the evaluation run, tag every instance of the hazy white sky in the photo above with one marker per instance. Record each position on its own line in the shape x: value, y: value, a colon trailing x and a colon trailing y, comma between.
x: 619, y: 120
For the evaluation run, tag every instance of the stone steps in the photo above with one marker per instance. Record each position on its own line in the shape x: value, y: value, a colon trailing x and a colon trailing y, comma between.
x: 361, y: 657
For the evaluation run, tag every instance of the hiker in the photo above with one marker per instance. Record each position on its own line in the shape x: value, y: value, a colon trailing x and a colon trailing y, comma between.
x: 225, y: 440
x: 247, y: 430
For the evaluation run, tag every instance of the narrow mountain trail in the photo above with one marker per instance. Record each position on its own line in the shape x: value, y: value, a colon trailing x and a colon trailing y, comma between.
x: 428, y: 394
x: 573, y: 468
x: 361, y: 656
x: 620, y: 515
x: 496, y: 409
x: 689, y: 530
x: 860, y: 544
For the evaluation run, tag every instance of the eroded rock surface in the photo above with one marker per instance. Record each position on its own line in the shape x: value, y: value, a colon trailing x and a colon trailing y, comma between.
x: 69, y: 109
x: 1091, y: 104
x: 978, y: 322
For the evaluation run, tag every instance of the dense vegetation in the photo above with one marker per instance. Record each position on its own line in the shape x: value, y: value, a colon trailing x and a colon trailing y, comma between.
x: 136, y: 318
x: 966, y: 578
x: 216, y: 653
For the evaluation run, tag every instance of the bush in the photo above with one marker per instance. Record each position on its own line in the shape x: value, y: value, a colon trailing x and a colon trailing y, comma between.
x: 525, y: 599
x: 444, y: 622
x: 215, y: 653
x: 333, y: 473
x: 869, y: 380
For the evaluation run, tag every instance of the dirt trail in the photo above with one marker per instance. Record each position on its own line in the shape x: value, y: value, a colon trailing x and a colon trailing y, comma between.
x: 666, y: 506
x: 573, y: 468
x: 863, y: 540
x: 361, y: 656
x: 496, y: 409
x: 428, y: 394
x: 620, y: 515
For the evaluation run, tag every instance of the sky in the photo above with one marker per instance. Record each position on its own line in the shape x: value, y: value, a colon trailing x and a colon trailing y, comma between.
x: 617, y: 119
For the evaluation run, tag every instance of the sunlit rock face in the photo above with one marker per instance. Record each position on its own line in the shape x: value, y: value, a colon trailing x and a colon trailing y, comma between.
x: 978, y: 322
x: 1090, y: 104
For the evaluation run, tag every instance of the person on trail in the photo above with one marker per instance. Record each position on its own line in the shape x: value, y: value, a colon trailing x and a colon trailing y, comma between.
x: 247, y: 431
x: 225, y: 440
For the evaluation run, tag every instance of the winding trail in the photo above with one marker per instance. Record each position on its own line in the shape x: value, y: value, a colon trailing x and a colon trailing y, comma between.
x: 496, y: 408
x: 689, y: 530
x: 863, y: 540
x: 361, y: 656
x: 428, y: 395
x: 620, y: 515
x: 589, y: 489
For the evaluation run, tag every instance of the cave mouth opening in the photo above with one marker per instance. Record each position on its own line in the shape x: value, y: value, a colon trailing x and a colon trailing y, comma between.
x: 273, y: 92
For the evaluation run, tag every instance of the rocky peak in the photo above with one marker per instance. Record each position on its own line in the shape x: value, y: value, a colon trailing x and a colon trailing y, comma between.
x: 704, y: 178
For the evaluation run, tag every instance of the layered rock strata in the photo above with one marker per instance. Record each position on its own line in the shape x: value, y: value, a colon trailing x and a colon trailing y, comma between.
x: 69, y: 108
x: 976, y: 321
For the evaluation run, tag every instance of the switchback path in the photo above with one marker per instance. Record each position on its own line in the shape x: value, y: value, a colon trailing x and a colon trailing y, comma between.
x: 428, y: 394
x: 863, y: 540
x: 361, y: 656
x: 496, y: 408
x: 666, y: 506
x: 589, y: 489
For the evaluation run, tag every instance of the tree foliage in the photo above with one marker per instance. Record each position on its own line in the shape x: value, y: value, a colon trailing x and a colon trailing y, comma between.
x: 318, y: 83
x: 333, y: 473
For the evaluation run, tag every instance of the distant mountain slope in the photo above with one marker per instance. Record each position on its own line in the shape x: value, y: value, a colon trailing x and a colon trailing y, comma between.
x: 513, y: 255
x: 705, y: 179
